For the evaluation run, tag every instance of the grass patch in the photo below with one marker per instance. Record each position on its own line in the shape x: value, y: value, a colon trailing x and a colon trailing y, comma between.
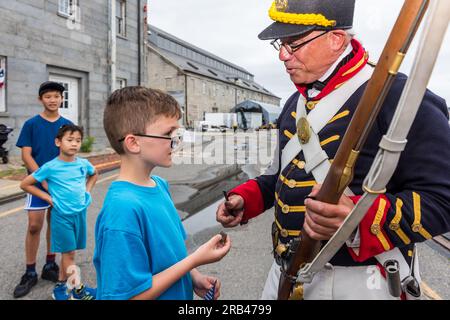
x: 87, y: 144
x: 12, y: 172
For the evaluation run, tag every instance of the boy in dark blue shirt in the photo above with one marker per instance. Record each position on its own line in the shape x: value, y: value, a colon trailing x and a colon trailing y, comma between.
x: 37, y: 141
x: 139, y: 238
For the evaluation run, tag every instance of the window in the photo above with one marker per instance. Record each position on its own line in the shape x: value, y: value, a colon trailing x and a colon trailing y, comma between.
x: 121, y: 83
x: 212, y: 72
x: 65, y: 84
x: 121, y: 17
x: 168, y: 84
x: 192, y: 65
x: 215, y: 110
x: 64, y: 7
x: 67, y: 8
x: 2, y: 84
x: 164, y: 44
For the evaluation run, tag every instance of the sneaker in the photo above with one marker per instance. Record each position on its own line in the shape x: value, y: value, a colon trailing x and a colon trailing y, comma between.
x: 61, y: 292
x: 84, y: 293
x: 50, y: 272
x: 28, y: 281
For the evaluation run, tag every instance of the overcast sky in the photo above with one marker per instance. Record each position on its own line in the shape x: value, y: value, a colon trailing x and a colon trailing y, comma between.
x: 229, y: 29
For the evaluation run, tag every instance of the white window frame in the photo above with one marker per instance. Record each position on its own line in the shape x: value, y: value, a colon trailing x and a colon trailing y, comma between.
x: 169, y: 84
x: 121, y: 83
x: 3, y: 88
x: 121, y: 21
x: 204, y: 87
x: 67, y: 8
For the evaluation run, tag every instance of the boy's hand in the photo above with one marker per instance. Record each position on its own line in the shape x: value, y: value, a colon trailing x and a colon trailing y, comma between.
x: 203, y: 283
x: 230, y: 213
x: 49, y: 200
x: 212, y: 251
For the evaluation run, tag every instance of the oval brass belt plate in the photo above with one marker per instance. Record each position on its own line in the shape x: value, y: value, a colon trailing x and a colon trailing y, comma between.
x: 303, y: 130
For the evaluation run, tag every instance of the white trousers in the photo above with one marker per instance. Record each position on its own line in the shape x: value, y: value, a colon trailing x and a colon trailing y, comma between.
x: 336, y: 283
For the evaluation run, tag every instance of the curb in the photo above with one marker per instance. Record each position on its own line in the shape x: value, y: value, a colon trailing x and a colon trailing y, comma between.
x: 13, y: 197
x: 108, y: 166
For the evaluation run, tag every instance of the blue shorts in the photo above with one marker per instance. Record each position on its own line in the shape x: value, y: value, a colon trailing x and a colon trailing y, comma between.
x: 33, y: 203
x: 68, y: 231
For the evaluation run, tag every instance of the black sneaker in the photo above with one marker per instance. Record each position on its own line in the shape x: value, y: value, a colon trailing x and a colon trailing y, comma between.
x: 28, y: 281
x: 50, y: 272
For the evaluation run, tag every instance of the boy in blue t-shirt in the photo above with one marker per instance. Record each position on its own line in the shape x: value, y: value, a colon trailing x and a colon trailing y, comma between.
x: 140, y: 251
x: 37, y: 141
x: 70, y: 180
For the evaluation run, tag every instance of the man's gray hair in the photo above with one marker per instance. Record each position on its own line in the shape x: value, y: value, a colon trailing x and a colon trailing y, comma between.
x: 351, y: 33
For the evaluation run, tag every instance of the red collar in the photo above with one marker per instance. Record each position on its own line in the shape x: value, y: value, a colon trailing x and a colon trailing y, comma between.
x: 347, y: 71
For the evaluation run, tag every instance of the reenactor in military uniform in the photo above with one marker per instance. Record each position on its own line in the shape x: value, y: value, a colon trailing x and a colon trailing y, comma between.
x: 330, y: 69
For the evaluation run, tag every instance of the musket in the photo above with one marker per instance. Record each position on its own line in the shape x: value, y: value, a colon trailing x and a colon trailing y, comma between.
x: 341, y: 172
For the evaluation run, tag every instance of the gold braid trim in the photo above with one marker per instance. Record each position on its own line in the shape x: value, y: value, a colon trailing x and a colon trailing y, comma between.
x: 300, y: 18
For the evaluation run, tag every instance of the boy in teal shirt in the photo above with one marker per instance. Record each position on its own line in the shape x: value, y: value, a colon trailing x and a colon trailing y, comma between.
x: 36, y: 141
x: 70, y: 180
x: 139, y: 238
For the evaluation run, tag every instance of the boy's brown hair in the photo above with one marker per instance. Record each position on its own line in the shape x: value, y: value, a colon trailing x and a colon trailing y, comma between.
x: 131, y: 109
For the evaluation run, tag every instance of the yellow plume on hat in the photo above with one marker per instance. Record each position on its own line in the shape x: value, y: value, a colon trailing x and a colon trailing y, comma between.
x: 298, y: 18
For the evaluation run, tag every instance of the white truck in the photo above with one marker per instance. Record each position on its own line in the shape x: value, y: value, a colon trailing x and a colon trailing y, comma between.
x: 221, y: 119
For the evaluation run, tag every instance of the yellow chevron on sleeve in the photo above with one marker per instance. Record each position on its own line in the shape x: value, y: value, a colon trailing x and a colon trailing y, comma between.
x: 294, y: 114
x: 375, y: 229
x: 395, y: 223
x: 417, y: 226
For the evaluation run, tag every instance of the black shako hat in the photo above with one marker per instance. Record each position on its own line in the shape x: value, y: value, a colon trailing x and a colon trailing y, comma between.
x: 50, y: 86
x: 296, y: 17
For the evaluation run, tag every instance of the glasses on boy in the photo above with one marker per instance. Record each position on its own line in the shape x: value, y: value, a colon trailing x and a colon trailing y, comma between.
x: 175, y: 140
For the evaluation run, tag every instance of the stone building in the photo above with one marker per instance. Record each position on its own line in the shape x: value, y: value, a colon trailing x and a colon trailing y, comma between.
x: 68, y: 41
x: 200, y: 81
